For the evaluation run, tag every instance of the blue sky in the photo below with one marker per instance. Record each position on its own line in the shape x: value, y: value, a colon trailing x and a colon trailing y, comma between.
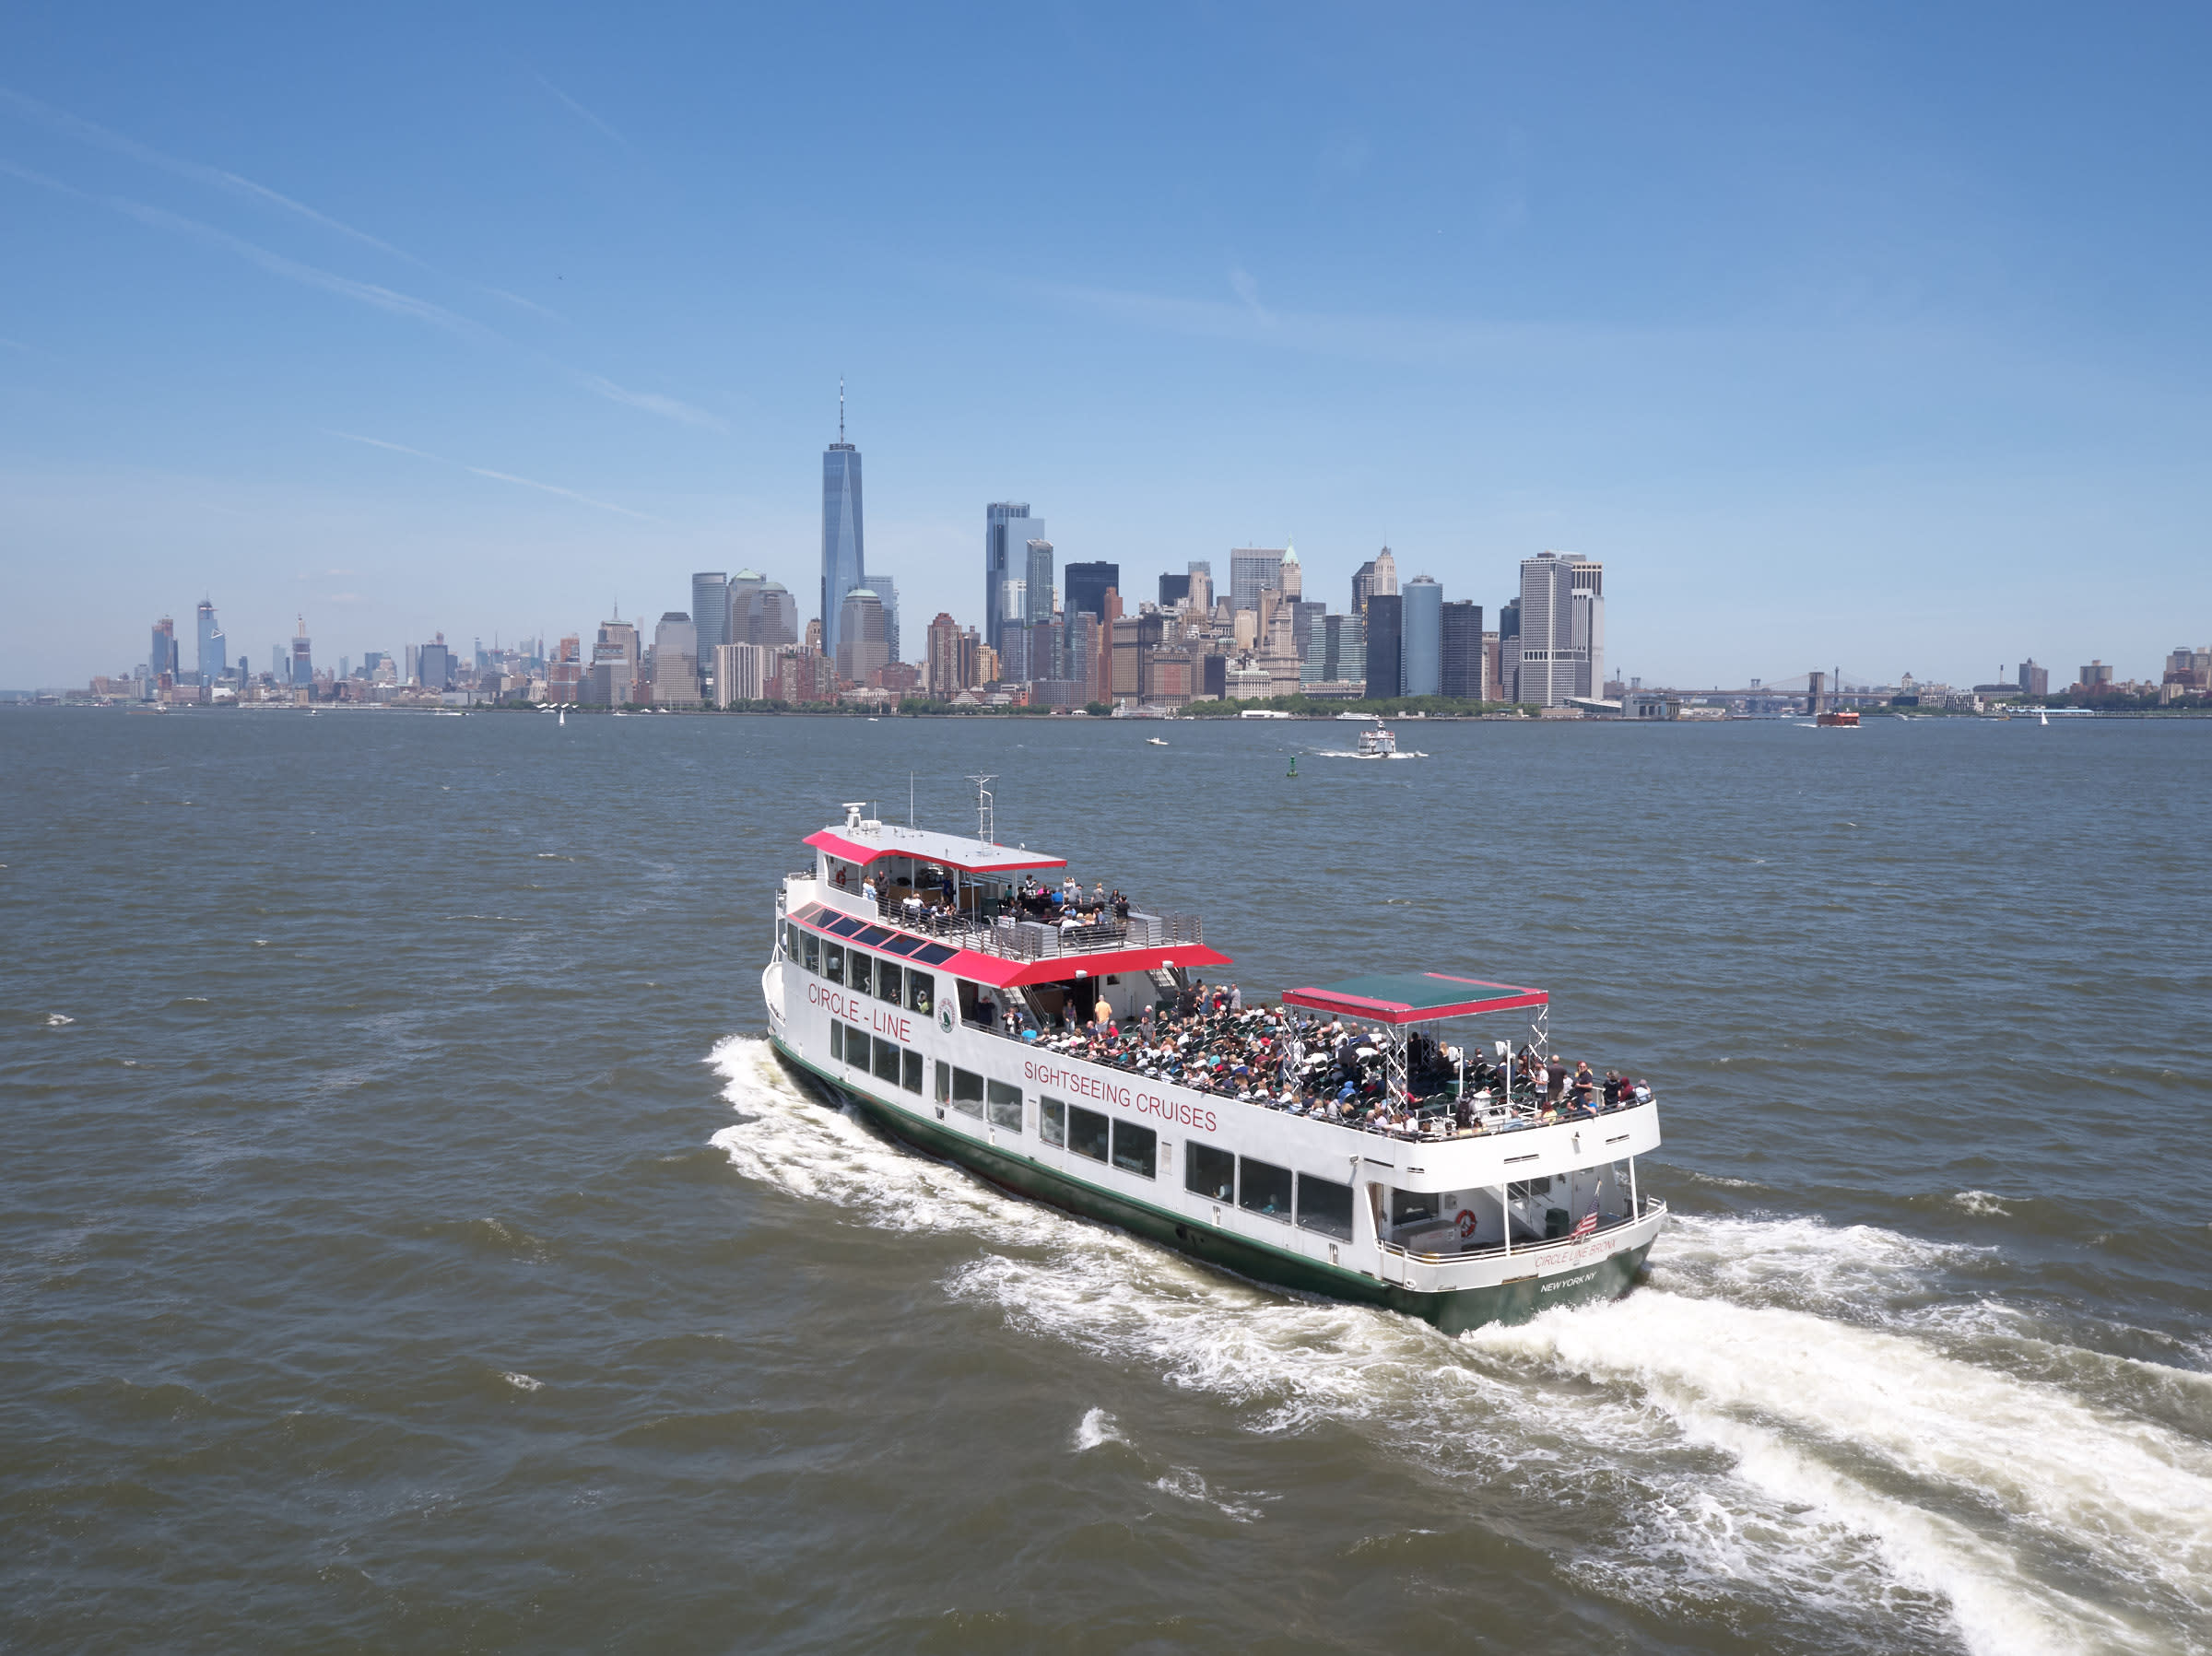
x: 1860, y: 335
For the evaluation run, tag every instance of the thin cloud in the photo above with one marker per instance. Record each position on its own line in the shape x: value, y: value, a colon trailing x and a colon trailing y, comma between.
x: 580, y: 112
x: 653, y: 403
x: 483, y: 471
x: 367, y: 293
x: 88, y: 132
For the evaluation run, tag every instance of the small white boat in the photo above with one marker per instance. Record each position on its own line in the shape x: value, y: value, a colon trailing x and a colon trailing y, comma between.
x: 1153, y: 742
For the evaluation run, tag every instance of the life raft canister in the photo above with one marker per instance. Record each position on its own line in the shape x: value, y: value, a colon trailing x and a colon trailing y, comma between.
x: 1466, y: 1223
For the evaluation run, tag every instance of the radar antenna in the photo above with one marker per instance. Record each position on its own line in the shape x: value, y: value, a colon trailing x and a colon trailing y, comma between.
x: 984, y: 825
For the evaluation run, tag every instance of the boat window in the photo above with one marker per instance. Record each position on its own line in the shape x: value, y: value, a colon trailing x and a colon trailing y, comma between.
x: 911, y: 1079
x: 845, y: 925
x: 1210, y: 1173
x: 856, y: 1051
x: 921, y: 992
x: 791, y: 940
x: 886, y: 1061
x: 861, y: 973
x: 1410, y: 1208
x: 943, y: 1081
x: 1529, y: 1190
x: 1006, y: 1105
x: 1051, y: 1121
x: 1264, y: 1188
x: 837, y: 1039
x: 873, y: 935
x: 889, y: 983
x: 933, y: 954
x: 1087, y: 1132
x: 1136, y: 1149
x: 968, y: 1092
x: 903, y: 945
x: 1325, y: 1205
x: 833, y: 962
x: 813, y: 945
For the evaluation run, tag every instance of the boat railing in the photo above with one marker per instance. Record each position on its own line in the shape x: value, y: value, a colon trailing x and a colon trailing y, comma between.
x: 1010, y: 937
x: 1431, y: 1128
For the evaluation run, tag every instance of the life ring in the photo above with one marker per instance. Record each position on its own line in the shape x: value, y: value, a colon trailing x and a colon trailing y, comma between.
x: 1466, y: 1223
x: 841, y: 878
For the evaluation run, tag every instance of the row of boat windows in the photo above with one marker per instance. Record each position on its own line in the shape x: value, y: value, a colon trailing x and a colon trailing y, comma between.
x: 873, y: 1055
x: 863, y: 973
x: 1257, y: 1187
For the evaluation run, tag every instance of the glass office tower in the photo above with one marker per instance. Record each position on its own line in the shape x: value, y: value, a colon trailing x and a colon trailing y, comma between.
x: 1422, y: 647
x: 845, y: 556
x: 1007, y: 531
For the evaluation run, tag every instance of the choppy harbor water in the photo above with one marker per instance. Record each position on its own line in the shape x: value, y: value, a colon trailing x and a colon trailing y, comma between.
x: 408, y: 1243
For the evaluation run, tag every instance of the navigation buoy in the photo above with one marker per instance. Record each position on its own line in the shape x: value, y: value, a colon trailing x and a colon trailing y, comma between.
x: 1294, y: 764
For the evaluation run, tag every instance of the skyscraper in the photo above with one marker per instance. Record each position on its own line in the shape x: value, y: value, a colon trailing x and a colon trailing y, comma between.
x: 1364, y: 582
x: 1562, y: 620
x: 1037, y: 576
x: 1007, y: 531
x: 161, y: 656
x: 303, y: 658
x: 1202, y: 585
x: 743, y: 585
x: 1461, y: 677
x: 1422, y: 647
x: 1252, y: 570
x: 943, y: 676
x: 886, y: 592
x: 1386, y: 644
x: 1173, y: 589
x: 1293, y: 583
x: 1508, y: 650
x: 676, y: 661
x: 1088, y: 584
x: 434, y: 664
x: 1335, y: 655
x: 710, y: 617
x: 774, y: 616
x: 212, y: 643
x: 859, y: 642
x: 844, y: 554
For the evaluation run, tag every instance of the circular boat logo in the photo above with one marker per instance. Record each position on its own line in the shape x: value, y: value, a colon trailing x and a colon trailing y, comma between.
x: 945, y: 1018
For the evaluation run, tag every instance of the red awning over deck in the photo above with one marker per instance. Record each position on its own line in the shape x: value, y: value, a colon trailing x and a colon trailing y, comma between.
x: 1418, y: 997
x: 972, y: 856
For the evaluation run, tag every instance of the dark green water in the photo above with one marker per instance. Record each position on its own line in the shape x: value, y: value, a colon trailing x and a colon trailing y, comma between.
x: 408, y: 1243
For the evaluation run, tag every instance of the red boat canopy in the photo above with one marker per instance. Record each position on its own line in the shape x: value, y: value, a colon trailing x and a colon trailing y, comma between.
x: 974, y: 856
x: 1419, y: 997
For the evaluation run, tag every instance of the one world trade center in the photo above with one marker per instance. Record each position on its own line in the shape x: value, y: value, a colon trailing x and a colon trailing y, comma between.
x: 844, y: 562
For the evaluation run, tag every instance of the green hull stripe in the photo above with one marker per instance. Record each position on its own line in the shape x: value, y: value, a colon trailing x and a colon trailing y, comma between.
x: 1454, y: 1311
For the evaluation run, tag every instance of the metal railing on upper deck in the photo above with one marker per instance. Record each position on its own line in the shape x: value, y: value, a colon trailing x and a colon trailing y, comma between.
x: 1011, y: 938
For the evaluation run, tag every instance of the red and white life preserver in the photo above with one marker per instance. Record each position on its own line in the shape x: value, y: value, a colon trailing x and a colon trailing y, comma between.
x: 1466, y: 1223
x: 841, y: 878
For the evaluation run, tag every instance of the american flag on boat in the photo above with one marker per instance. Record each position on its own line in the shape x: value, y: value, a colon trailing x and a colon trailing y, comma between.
x: 1587, y: 1225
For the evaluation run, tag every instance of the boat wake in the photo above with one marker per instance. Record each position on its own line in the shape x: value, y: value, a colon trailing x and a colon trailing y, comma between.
x: 1345, y: 753
x: 1788, y: 1411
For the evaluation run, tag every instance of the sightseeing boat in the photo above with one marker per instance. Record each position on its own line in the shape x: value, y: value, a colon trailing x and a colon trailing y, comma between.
x: 1328, y: 1143
x: 1379, y: 743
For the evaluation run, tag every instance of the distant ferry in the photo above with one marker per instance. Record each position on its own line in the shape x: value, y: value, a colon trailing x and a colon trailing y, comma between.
x: 1843, y: 718
x: 1328, y: 1144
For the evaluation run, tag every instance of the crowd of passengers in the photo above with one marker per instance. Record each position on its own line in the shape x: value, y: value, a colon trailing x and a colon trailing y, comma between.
x: 1284, y: 1059
x: 930, y: 905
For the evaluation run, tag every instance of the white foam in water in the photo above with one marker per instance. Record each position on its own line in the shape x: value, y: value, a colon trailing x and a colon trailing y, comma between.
x: 1770, y: 1428
x: 521, y: 1383
x: 1983, y: 1204
x: 54, y: 1020
x: 2130, y: 1499
x: 1097, y: 1426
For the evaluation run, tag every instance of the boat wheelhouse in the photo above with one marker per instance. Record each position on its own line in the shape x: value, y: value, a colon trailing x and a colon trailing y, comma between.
x: 1354, y: 1139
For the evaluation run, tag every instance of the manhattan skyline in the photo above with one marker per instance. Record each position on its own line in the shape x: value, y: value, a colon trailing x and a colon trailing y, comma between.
x: 1836, y: 336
